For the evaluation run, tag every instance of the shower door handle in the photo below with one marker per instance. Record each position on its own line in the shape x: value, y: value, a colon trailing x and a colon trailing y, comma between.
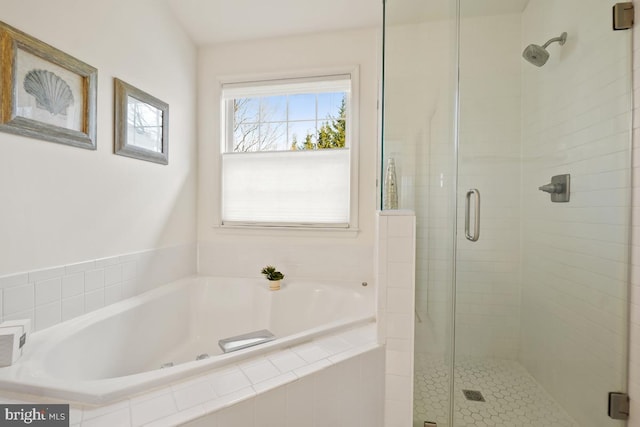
x: 476, y: 215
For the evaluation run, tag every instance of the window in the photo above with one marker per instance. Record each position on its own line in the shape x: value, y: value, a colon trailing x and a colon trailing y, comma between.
x: 287, y: 149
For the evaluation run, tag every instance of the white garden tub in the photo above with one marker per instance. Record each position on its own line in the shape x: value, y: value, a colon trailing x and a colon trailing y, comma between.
x: 117, y: 351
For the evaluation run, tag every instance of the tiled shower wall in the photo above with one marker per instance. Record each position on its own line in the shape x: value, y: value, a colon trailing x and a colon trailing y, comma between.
x: 488, y: 270
x: 575, y: 116
x: 605, y: 311
x: 55, y: 294
x: 418, y: 134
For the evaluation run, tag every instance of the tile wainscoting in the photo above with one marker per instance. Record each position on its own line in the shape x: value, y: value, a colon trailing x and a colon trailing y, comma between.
x: 52, y: 295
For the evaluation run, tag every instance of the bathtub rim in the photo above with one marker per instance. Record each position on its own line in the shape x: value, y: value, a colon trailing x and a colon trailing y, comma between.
x: 21, y: 379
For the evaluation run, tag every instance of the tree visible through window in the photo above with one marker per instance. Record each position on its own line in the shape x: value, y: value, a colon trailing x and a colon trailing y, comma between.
x: 289, y: 122
x: 331, y: 134
x: 287, y: 154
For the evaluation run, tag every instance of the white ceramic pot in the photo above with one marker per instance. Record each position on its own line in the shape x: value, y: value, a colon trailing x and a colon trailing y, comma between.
x: 274, y: 285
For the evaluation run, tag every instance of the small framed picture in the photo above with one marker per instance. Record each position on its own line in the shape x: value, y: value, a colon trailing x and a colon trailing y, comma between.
x: 141, y: 124
x: 44, y: 92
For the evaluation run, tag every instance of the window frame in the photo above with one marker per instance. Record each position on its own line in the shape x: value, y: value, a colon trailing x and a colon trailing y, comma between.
x: 352, y: 125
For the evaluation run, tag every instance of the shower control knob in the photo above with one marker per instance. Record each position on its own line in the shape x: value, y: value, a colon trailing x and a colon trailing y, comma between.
x: 558, y: 188
x: 552, y: 188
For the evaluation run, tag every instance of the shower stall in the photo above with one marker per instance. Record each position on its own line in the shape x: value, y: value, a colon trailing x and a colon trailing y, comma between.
x: 516, y: 158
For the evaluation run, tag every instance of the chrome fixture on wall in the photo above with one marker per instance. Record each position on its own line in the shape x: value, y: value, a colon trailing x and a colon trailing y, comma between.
x: 538, y: 55
x: 558, y: 188
x: 623, y: 16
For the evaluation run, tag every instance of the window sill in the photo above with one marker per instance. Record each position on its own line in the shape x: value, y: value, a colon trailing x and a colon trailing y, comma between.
x: 298, y: 230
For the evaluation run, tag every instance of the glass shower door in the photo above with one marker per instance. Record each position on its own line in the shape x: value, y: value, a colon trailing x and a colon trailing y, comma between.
x: 521, y: 301
x: 419, y: 134
x: 541, y: 295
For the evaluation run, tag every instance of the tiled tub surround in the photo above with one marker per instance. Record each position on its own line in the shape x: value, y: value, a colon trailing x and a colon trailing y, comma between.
x: 118, y: 351
x: 396, y: 300
x: 334, y: 380
x: 52, y: 295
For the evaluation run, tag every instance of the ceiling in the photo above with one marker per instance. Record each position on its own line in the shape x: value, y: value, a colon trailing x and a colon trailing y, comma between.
x: 414, y: 11
x: 222, y: 21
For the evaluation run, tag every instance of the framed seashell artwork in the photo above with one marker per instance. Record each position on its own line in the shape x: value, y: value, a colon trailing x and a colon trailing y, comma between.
x: 141, y: 124
x: 45, y: 93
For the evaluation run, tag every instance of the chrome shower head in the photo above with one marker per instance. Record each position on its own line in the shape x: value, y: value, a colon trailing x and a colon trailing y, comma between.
x: 538, y: 55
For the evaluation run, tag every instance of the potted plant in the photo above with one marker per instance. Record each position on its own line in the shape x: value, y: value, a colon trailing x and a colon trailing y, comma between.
x: 273, y: 276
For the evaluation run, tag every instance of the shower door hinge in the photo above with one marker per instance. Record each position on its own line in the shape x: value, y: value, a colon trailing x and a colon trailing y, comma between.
x: 618, y: 406
x: 622, y: 16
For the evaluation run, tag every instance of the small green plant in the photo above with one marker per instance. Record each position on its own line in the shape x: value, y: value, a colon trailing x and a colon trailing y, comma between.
x: 271, y: 273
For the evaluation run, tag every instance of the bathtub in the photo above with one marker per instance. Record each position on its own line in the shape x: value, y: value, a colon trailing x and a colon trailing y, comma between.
x: 118, y: 351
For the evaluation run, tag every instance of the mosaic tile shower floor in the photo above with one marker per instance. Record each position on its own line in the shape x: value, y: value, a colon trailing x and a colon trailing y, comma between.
x: 512, y: 397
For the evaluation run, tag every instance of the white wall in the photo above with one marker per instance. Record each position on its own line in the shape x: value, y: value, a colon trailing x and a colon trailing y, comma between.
x: 575, y: 119
x: 62, y: 205
x: 297, y: 254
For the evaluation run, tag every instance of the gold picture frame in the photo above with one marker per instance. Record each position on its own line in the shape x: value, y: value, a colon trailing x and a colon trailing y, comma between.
x: 45, y: 93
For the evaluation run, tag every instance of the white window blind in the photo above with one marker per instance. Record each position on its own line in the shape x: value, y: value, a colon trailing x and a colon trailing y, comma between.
x: 320, y: 84
x: 292, y: 177
x: 286, y: 187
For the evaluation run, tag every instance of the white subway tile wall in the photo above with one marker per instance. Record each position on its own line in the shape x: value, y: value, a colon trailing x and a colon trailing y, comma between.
x: 52, y: 295
x: 488, y: 270
x: 575, y: 120
x: 396, y: 252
